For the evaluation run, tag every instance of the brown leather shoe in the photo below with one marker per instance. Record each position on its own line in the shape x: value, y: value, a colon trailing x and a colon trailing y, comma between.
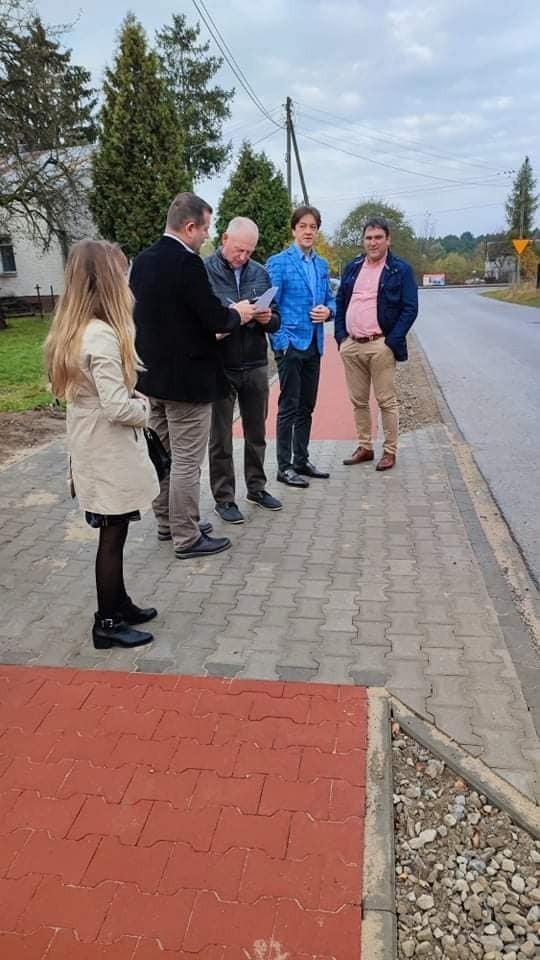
x: 360, y: 455
x: 386, y: 462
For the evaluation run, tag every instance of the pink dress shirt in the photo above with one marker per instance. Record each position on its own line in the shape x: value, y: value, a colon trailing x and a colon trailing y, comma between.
x: 361, y: 317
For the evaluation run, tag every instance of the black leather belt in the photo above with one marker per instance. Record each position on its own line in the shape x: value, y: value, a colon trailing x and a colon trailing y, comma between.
x: 374, y: 336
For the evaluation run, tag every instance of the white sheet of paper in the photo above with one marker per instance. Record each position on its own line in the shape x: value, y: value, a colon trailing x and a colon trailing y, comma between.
x: 265, y: 298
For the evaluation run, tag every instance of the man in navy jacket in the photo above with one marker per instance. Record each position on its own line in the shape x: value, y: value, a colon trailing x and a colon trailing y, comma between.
x: 376, y: 306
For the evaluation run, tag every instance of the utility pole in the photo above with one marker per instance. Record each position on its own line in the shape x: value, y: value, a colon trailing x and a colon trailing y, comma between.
x: 291, y: 139
x: 288, y: 123
x: 299, y: 165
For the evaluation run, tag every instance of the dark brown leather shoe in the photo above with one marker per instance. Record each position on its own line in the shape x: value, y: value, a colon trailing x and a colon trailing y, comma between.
x: 360, y: 455
x: 386, y: 462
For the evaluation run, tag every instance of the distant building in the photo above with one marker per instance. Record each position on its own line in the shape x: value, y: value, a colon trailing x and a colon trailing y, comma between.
x: 434, y: 280
x: 501, y: 269
x: 25, y: 266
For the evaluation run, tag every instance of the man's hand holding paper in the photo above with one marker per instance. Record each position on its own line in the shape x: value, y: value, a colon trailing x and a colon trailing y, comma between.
x: 263, y: 302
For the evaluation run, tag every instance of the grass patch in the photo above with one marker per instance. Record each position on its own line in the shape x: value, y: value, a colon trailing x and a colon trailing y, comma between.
x: 527, y: 296
x: 23, y: 384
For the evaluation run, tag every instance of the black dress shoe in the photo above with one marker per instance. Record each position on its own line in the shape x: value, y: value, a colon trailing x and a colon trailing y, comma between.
x: 204, y: 526
x: 113, y: 632
x: 291, y: 478
x: 310, y: 470
x: 130, y: 613
x: 203, y: 547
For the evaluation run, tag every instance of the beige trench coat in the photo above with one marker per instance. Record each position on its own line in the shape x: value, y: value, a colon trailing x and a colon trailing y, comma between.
x: 110, y: 467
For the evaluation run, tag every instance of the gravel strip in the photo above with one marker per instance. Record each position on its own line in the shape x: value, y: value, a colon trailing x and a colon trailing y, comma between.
x: 467, y: 879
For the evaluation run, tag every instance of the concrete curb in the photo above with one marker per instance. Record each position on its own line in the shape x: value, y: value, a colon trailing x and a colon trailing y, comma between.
x: 499, y: 792
x: 379, y: 927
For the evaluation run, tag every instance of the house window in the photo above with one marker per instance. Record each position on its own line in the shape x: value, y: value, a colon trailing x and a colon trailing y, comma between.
x: 7, y: 256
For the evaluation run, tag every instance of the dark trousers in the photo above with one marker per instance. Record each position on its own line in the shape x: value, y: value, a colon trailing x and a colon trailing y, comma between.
x: 250, y: 386
x: 299, y: 381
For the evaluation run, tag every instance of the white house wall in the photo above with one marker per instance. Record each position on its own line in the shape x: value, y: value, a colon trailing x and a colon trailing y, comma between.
x: 44, y: 269
x: 33, y: 267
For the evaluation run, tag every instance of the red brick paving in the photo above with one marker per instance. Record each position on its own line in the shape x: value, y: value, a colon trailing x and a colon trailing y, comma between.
x: 331, y: 421
x: 179, y: 818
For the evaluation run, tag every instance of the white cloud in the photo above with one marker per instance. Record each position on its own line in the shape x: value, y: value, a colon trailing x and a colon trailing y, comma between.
x: 440, y: 88
x: 497, y: 103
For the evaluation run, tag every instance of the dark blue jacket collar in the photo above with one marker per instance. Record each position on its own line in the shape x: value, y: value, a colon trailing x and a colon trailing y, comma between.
x: 391, y: 260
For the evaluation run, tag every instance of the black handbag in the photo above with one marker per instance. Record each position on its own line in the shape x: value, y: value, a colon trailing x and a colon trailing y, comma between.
x: 157, y: 453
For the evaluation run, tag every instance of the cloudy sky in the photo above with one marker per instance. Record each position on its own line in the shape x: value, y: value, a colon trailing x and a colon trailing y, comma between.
x: 424, y: 105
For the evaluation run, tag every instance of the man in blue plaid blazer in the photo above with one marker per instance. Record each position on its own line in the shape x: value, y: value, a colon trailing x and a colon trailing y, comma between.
x: 305, y: 302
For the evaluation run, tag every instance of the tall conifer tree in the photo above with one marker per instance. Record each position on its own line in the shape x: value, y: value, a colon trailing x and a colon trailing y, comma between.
x: 201, y: 108
x: 46, y: 100
x: 46, y: 110
x: 523, y: 202
x: 137, y: 165
x: 257, y: 190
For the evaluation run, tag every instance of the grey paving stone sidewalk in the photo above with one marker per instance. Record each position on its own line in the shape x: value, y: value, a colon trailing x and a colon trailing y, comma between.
x: 367, y: 578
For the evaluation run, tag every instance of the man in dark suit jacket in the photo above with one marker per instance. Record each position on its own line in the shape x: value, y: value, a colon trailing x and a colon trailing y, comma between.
x: 177, y: 318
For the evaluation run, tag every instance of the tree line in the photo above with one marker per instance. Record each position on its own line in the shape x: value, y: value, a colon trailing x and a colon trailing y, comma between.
x: 156, y: 128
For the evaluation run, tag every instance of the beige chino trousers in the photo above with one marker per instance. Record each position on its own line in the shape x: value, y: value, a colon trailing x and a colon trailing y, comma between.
x: 366, y: 364
x: 183, y: 428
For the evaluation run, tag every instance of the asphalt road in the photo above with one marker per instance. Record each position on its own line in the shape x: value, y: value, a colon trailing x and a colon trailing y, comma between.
x: 486, y: 357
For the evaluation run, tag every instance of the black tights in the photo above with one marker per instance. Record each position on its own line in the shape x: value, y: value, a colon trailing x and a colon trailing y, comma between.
x: 111, y: 592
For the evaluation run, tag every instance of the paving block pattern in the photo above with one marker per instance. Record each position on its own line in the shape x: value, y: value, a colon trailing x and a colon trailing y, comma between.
x: 148, y: 817
x: 365, y: 578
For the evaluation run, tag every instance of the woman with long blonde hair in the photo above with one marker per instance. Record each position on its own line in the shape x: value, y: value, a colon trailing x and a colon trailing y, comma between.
x: 92, y: 364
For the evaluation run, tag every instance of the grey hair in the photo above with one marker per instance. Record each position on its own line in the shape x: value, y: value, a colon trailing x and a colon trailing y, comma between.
x: 242, y: 223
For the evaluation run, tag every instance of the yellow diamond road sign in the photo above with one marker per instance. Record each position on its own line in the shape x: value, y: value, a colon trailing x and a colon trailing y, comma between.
x: 519, y: 245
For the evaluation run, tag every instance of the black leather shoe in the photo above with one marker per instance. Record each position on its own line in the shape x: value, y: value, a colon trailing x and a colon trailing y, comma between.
x: 310, y: 470
x: 291, y: 478
x: 113, y: 632
x: 130, y: 613
x: 204, y: 526
x: 203, y: 547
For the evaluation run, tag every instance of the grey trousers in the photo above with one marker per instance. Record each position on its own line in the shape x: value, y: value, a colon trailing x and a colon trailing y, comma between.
x: 183, y: 428
x: 251, y: 388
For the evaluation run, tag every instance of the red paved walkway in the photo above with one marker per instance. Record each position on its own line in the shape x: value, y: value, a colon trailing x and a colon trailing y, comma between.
x: 159, y: 817
x: 333, y: 419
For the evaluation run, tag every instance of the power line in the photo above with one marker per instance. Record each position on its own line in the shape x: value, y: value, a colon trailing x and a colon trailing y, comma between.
x: 390, y: 151
x: 249, y: 124
x: 476, y: 184
x: 251, y: 131
x: 467, y: 184
x: 474, y: 206
x: 221, y: 43
x: 418, y: 190
x: 266, y: 137
x: 380, y: 163
x: 396, y: 139
x: 384, y: 153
